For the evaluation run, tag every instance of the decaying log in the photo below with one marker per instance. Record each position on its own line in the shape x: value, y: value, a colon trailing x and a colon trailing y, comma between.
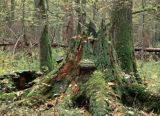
x: 21, y: 80
x: 6, y: 44
x: 54, y: 45
x: 148, y: 49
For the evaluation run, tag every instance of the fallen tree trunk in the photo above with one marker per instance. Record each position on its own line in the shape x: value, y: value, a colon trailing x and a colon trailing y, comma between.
x: 54, y: 45
x: 148, y: 49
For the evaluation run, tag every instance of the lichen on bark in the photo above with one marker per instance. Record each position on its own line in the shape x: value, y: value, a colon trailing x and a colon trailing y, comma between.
x: 122, y: 34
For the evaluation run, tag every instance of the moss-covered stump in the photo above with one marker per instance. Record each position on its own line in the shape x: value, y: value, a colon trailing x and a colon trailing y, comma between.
x: 73, y: 96
x: 54, y: 83
x: 85, y: 97
x: 87, y: 64
x: 76, y: 89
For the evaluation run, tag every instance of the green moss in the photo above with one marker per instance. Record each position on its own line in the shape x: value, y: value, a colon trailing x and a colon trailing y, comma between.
x: 123, y: 40
x: 70, y: 112
x: 65, y: 106
x: 96, y: 83
x: 42, y: 83
x: 87, y: 63
x: 138, y: 91
x: 154, y: 106
x: 46, y: 63
x: 101, y: 51
x: 95, y: 91
x: 136, y: 95
x: 7, y: 96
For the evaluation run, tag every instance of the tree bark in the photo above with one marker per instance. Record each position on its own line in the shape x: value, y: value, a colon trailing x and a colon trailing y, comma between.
x: 23, y: 23
x: 81, y: 5
x: 12, y: 12
x: 46, y: 64
x: 122, y: 34
x: 156, y: 38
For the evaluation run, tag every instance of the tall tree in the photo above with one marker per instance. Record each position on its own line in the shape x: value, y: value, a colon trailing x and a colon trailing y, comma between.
x: 23, y: 22
x: 68, y: 28
x: 45, y: 44
x: 81, y: 4
x: 12, y: 12
x: 122, y: 34
x: 157, y: 24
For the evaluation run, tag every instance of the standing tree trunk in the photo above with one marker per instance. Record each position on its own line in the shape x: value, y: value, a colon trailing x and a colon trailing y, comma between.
x: 23, y: 24
x: 12, y: 12
x: 144, y: 39
x: 81, y: 4
x: 68, y: 30
x: 122, y: 34
x: 156, y: 39
x: 46, y: 63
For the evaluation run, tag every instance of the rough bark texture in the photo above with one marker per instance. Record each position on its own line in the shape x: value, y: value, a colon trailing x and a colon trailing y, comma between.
x: 45, y: 51
x: 81, y: 4
x: 12, y: 12
x: 46, y: 64
x: 156, y: 38
x: 68, y: 30
x: 122, y: 33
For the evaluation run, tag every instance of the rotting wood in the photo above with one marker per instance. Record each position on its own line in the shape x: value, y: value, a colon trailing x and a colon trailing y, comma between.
x: 148, y: 49
x: 54, y: 45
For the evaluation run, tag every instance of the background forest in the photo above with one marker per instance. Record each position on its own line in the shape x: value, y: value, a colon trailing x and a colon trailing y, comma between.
x: 80, y: 57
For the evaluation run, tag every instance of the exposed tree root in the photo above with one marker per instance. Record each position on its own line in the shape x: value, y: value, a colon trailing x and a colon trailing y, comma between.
x: 135, y: 95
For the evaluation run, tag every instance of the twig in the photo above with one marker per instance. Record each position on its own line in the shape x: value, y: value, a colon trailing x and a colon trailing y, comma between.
x: 14, y: 49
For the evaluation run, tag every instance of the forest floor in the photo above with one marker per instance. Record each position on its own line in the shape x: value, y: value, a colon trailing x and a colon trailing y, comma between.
x: 149, y: 72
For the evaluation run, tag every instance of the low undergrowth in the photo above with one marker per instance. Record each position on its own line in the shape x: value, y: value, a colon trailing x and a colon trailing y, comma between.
x: 150, y: 73
x: 24, y: 60
x: 94, y: 96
